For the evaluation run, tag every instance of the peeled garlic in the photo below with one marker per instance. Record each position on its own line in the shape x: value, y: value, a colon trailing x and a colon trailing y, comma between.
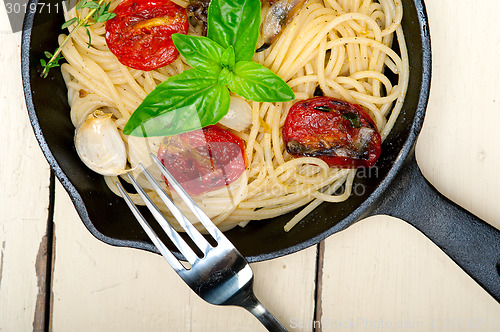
x: 239, y: 116
x: 99, y: 144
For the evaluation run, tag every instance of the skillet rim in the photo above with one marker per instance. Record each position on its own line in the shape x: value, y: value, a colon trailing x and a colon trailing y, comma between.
x: 354, y: 216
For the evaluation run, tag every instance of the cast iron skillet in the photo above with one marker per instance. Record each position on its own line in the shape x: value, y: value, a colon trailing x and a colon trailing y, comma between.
x: 395, y: 187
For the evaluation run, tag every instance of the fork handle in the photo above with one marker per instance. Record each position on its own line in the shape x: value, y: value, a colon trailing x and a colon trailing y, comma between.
x: 267, y: 319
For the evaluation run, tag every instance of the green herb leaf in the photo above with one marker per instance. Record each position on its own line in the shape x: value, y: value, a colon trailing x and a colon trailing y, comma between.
x: 81, y: 4
x: 98, y: 11
x: 102, y: 10
x: 235, y: 23
x: 200, y: 52
x: 225, y: 76
x: 323, y: 108
x: 353, y: 119
x: 228, y: 59
x: 69, y: 22
x: 89, y: 36
x: 185, y: 102
x: 90, y: 5
x: 105, y: 17
x: 256, y: 82
x: 200, y: 97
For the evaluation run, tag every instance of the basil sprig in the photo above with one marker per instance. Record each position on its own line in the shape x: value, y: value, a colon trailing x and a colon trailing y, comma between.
x: 221, y: 63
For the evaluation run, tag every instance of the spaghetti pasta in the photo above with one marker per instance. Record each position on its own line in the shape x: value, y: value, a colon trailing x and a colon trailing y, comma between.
x: 343, y: 47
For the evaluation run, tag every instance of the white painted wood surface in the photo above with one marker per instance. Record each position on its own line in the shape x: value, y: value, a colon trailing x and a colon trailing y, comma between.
x: 24, y: 199
x: 380, y: 274
x: 383, y: 275
x: 457, y: 149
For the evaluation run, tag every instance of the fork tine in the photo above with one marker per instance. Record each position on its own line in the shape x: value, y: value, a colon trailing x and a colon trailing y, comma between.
x: 172, y: 234
x: 198, y: 212
x: 198, y: 239
x: 223, y: 277
x: 165, y: 252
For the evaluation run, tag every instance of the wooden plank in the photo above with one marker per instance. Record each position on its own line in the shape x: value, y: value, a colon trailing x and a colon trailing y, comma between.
x: 97, y: 287
x: 24, y: 179
x: 382, y: 272
x: 457, y: 149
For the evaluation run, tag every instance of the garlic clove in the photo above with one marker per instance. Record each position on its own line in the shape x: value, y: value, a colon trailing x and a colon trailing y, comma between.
x: 100, y: 146
x: 239, y: 116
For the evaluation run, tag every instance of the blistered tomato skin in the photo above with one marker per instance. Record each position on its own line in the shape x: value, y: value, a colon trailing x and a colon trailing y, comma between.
x: 141, y: 33
x: 340, y: 133
x: 204, y: 160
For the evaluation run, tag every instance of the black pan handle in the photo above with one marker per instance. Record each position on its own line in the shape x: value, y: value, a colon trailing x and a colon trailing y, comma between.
x: 472, y: 243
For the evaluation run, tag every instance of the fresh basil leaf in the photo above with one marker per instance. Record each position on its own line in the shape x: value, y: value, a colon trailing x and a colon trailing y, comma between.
x: 184, y: 102
x: 235, y: 23
x: 255, y: 82
x: 200, y: 52
x: 225, y: 76
x: 228, y: 59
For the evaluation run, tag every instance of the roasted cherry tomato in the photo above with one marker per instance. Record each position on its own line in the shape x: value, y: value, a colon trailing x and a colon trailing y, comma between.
x: 204, y: 159
x: 140, y: 35
x: 340, y: 133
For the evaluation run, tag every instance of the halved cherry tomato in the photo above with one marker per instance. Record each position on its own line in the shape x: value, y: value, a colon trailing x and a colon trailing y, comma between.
x: 340, y: 133
x: 140, y: 35
x: 204, y: 160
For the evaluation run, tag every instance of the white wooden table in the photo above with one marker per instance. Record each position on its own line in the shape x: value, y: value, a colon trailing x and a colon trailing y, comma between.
x: 380, y: 274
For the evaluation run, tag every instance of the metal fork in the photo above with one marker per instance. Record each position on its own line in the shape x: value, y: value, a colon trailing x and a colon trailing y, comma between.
x: 221, y: 276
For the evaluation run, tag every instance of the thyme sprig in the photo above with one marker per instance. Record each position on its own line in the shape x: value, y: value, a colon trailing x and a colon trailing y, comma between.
x: 99, y: 12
